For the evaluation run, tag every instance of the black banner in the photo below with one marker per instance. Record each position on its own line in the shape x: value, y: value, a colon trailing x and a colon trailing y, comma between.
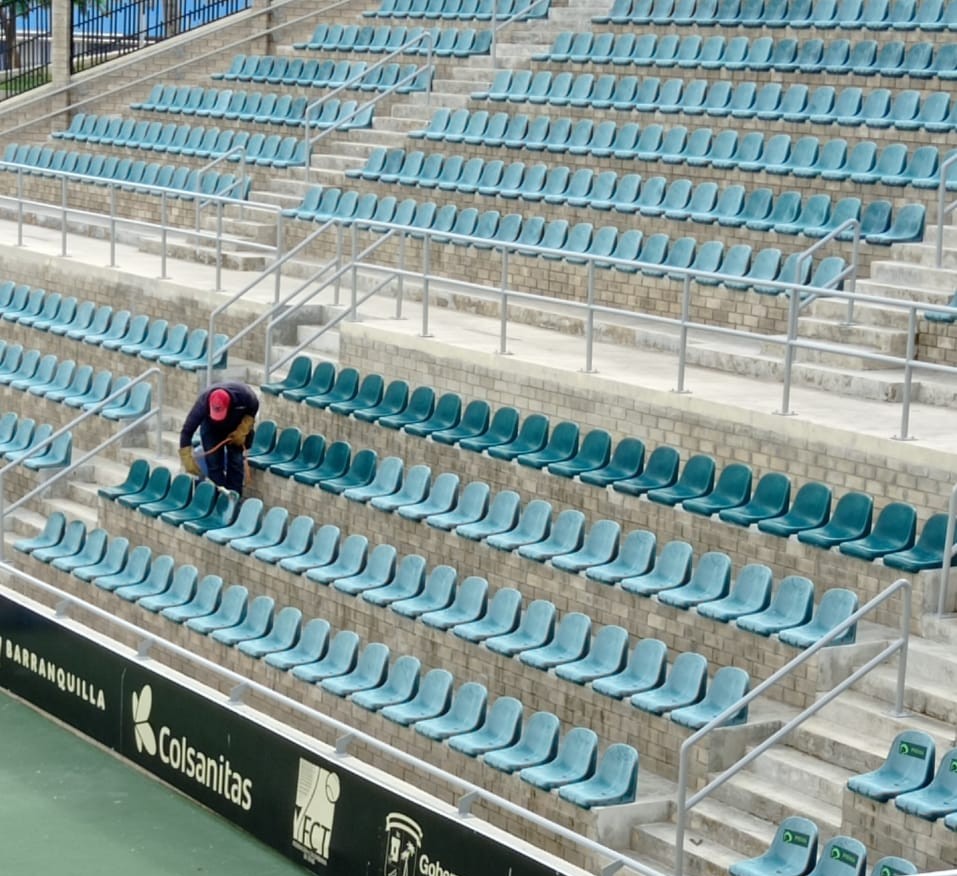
x: 308, y: 807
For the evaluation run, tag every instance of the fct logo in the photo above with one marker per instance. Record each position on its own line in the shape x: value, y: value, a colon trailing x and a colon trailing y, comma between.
x: 142, y: 731
x: 316, y: 795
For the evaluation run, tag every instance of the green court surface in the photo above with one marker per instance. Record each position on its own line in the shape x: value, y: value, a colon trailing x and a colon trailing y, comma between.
x: 70, y: 808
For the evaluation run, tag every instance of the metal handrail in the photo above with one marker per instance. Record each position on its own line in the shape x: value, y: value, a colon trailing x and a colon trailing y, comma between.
x: 469, y: 793
x: 684, y: 803
x: 943, y: 210
x: 948, y: 547
x: 154, y: 412
x: 505, y: 21
x: 424, y: 37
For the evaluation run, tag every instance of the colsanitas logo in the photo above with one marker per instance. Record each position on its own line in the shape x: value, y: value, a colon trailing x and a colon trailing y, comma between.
x: 316, y: 794
x: 403, y: 850
x: 215, y: 773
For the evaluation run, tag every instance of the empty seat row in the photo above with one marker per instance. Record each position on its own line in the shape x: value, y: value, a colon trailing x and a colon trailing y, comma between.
x: 445, y: 42
x: 193, y: 141
x: 21, y: 437
x: 754, y: 151
x: 313, y: 655
x: 461, y: 10
x: 905, y: 15
x: 263, y: 108
x: 75, y: 386
x: 659, y: 254
x: 698, y: 487
x: 923, y: 60
x: 680, y: 200
x: 101, y: 325
x: 907, y: 110
x: 142, y: 177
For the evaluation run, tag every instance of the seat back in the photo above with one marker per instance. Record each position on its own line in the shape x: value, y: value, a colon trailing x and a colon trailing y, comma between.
x: 688, y: 677
x: 841, y: 856
x: 794, y: 599
x: 794, y: 845
x: 911, y: 757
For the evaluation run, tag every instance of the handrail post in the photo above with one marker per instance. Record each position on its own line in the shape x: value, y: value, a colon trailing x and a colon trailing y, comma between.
x: 335, y: 299
x: 855, y: 255
x: 590, y: 321
x: 164, y: 231
x: 354, y: 234
x: 503, y: 317
x: 112, y: 225
x: 219, y: 247
x: 3, y: 518
x: 683, y: 333
x: 941, y: 193
x: 948, y: 541
x: 899, y: 710
x: 161, y: 393
x: 19, y: 206
x: 908, y: 374
x: 400, y: 286
x: 426, y: 258
x: 789, y: 349
x: 63, y: 216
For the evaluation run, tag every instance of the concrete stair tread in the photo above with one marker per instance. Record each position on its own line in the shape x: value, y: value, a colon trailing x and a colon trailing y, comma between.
x: 877, y: 692
x: 789, y: 799
x: 711, y: 855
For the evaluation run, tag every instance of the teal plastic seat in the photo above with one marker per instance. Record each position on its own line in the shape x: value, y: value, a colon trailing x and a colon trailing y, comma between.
x: 750, y: 594
x: 684, y: 686
x: 156, y: 488
x: 246, y: 523
x: 370, y: 672
x: 177, y: 496
x: 310, y: 457
x: 502, y: 429
x: 599, y: 548
x: 52, y: 533
x: 204, y: 603
x: 841, y: 856
x: 570, y: 643
x: 634, y: 558
x: 576, y: 760
x: 538, y: 744
x: 835, y: 607
x: 119, y: 567
x: 287, y: 447
x: 320, y: 382
x: 791, y: 606
x: 851, y: 520
x: 415, y: 488
x: 360, y: 473
x: 437, y: 594
x: 533, y: 527
x: 200, y: 505
x: 607, y: 655
x: 339, y: 659
x: 500, y: 729
x: 386, y: 482
x: 660, y: 472
x: 501, y: 618
x: 696, y: 480
x: 909, y: 766
x: 323, y: 550
x: 351, y: 560
x: 378, y: 571
x: 296, y: 542
x: 811, y: 508
x: 395, y: 399
x: 419, y: 409
x: 939, y: 797
x: 407, y: 582
x: 892, y: 865
x: 770, y: 499
x: 594, y: 453
x: 532, y: 436
x: 502, y: 516
x: 368, y: 394
x: 296, y: 377
x: 928, y: 552
x: 729, y: 685
x: 345, y: 387
x: 645, y: 669
x: 672, y: 569
x: 310, y: 646
x: 400, y: 686
x: 792, y: 852
x: 615, y: 781
x: 71, y: 543
x: 333, y: 464
x: 566, y: 536
x: 283, y: 635
x: 895, y: 530
x: 536, y: 629
x: 627, y: 461
x: 471, y: 507
x: 432, y: 699
x: 442, y: 497
x: 158, y: 580
x: 710, y: 581
x: 474, y: 422
x: 469, y: 604
x: 270, y: 533
x: 445, y: 415
x: 466, y: 713
x: 181, y: 591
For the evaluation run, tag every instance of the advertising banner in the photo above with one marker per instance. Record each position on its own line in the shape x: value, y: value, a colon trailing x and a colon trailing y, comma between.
x: 306, y: 806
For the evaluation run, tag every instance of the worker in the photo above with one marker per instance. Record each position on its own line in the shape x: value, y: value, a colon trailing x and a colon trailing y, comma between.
x: 225, y: 414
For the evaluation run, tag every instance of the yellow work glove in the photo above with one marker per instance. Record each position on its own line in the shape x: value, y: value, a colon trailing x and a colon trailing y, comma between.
x: 237, y: 438
x: 189, y: 461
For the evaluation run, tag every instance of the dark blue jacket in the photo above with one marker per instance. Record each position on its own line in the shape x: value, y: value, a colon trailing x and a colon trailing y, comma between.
x: 244, y: 403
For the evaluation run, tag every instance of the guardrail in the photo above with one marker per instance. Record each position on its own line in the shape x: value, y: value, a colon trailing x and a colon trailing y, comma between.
x: 944, y: 586
x: 155, y: 412
x: 943, y: 209
x: 500, y: 24
x: 684, y: 803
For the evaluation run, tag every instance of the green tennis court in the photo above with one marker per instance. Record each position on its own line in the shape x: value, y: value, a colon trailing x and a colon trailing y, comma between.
x: 67, y: 806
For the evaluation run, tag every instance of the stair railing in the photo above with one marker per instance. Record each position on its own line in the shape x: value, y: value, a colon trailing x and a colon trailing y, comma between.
x: 684, y: 803
x: 500, y: 23
x: 313, y: 109
x: 949, y: 552
x: 943, y: 208
x: 154, y: 413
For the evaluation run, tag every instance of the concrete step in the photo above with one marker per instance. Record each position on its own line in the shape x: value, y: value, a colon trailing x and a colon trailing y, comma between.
x: 852, y: 357
x: 206, y: 255
x: 848, y: 748
x: 925, y: 254
x: 785, y: 767
x: 704, y: 856
x: 900, y: 277
x: 926, y: 696
x: 864, y: 314
x: 889, y: 341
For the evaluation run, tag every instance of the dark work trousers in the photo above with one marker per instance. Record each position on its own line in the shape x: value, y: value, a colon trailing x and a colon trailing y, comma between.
x: 225, y: 467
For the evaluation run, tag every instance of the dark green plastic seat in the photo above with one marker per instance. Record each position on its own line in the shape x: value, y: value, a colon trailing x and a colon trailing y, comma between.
x: 851, y: 520
x: 770, y: 499
x: 791, y: 606
x: 320, y: 381
x: 419, y: 409
x: 310, y: 456
x: 811, y: 508
x: 672, y: 568
x: 750, y: 594
x: 298, y: 376
x: 176, y: 497
x: 661, y: 471
x: 361, y: 471
x: 696, y: 480
x: 287, y: 447
x: 156, y: 488
x: 710, y: 580
x: 394, y: 400
x: 502, y: 429
x: 531, y: 437
x: 627, y: 461
x: 534, y: 526
x: 928, y: 552
x: 474, y: 422
x: 835, y: 607
x: 894, y: 530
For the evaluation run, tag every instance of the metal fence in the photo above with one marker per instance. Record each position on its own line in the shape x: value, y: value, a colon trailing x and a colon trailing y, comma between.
x: 24, y: 46
x: 103, y: 32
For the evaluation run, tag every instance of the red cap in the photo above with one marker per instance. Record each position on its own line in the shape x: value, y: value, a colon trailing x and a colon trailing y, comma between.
x: 219, y: 401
